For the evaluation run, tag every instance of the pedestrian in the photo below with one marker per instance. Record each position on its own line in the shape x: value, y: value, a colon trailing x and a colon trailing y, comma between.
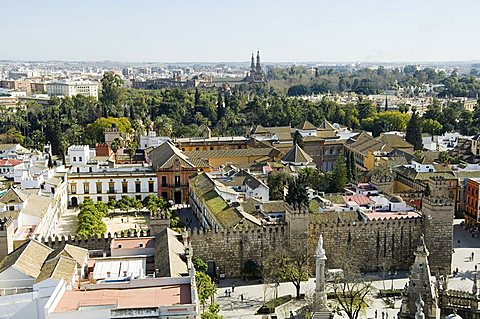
x: 456, y: 271
x: 241, y: 297
x: 375, y: 313
x: 229, y: 293
x: 291, y: 314
x: 233, y: 287
x: 475, y: 267
x: 226, y: 292
x: 122, y: 220
x: 472, y: 255
x: 383, y: 315
x: 387, y: 315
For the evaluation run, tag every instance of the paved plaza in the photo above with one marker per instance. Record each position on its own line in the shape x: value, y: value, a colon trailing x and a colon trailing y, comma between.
x: 68, y: 222
x: 255, y: 293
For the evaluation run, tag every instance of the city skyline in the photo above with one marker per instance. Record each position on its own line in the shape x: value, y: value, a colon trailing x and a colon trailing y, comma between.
x: 158, y: 31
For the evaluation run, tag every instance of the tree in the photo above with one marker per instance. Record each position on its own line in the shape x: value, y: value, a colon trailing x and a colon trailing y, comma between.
x: 353, y: 168
x: 339, y: 176
x: 287, y: 264
x: 352, y: 293
x: 297, y: 192
x: 431, y: 126
x: 212, y: 312
x: 90, y: 221
x: 112, y: 93
x: 414, y: 132
x: 205, y: 288
x: 115, y: 146
x: 276, y: 183
x: 443, y: 157
x: 298, y: 139
x: 199, y: 264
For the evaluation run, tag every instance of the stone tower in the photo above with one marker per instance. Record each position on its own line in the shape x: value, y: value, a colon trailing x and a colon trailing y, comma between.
x: 438, y: 229
x: 420, y: 284
x: 383, y: 179
x: 158, y: 222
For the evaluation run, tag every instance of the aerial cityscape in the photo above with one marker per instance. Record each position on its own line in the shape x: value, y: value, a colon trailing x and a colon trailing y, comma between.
x: 263, y: 160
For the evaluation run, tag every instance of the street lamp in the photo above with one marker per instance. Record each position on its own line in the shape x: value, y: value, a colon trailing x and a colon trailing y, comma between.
x: 393, y: 274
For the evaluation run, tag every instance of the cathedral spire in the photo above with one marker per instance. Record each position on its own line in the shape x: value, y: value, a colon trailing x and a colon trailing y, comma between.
x: 259, y: 68
x: 252, y: 65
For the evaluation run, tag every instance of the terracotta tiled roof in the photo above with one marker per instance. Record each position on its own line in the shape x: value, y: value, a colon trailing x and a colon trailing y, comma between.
x: 296, y: 155
x: 305, y: 125
x: 9, y: 162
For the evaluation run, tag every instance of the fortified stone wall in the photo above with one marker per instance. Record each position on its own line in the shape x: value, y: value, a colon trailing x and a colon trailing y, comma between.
x: 378, y: 245
x: 374, y: 245
x: 231, y: 249
x: 100, y: 243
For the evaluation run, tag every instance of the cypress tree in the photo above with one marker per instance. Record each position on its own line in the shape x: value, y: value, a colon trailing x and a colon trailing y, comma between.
x: 339, y: 176
x: 414, y: 132
x: 353, y: 168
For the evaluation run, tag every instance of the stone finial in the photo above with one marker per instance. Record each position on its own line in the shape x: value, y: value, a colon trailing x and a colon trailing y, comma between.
x: 420, y: 304
x: 320, y: 252
x: 422, y: 248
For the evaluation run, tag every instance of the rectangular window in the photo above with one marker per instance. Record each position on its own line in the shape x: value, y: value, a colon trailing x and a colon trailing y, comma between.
x: 99, y: 199
x: 164, y: 181
x: 124, y: 187
x: 86, y: 188
x: 177, y: 181
x: 99, y: 187
x: 137, y: 187
x: 150, y: 186
x: 73, y: 188
x: 111, y: 187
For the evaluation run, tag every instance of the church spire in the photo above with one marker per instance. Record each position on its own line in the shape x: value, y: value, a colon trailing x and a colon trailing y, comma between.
x: 259, y: 68
x: 252, y: 65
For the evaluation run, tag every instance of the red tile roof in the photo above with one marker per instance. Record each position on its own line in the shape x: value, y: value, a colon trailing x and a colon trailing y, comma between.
x: 9, y: 162
x: 361, y: 200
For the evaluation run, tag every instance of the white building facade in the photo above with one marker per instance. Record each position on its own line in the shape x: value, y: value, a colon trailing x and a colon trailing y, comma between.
x: 73, y: 87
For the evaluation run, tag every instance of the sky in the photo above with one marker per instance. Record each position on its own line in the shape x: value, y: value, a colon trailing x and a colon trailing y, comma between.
x: 228, y: 31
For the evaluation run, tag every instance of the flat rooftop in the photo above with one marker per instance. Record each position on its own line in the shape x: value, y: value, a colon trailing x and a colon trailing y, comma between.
x: 144, y: 297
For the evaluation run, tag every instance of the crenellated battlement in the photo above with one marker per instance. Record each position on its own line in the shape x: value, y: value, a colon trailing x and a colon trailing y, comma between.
x: 302, y: 209
x: 437, y: 201
x: 91, y: 242
x: 372, y: 223
x: 242, y: 231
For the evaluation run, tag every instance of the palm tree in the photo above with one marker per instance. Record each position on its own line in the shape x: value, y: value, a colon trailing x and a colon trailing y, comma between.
x: 115, y: 146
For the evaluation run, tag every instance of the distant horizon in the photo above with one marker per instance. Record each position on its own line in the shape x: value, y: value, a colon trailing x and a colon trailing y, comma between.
x: 214, y: 31
x: 244, y: 62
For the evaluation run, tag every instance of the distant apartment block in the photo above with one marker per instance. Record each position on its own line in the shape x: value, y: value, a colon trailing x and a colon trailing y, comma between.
x: 72, y: 87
